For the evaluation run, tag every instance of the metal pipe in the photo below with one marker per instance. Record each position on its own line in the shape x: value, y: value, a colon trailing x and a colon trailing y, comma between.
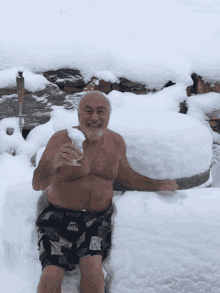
x: 20, y: 91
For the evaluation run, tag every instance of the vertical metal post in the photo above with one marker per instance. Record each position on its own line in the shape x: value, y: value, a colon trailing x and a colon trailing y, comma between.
x: 20, y: 91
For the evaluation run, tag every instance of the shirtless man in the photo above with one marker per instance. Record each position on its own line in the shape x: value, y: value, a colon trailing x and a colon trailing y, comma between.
x: 75, y: 228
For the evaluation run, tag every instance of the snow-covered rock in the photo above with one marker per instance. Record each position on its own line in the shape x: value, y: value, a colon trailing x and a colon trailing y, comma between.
x: 163, y: 145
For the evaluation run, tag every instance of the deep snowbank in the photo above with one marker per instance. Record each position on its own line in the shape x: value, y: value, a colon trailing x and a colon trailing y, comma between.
x: 163, y: 145
x: 168, y: 243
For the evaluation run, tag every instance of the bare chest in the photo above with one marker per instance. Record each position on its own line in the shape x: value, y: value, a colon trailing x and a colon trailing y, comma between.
x: 100, y: 162
x: 103, y: 163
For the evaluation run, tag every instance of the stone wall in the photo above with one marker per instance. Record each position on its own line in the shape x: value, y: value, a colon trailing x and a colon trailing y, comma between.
x: 66, y: 86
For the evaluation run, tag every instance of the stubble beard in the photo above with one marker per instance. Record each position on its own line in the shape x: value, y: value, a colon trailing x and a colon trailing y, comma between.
x: 94, y: 134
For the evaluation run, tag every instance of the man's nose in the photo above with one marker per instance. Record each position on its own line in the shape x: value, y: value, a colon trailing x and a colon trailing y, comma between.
x: 95, y: 116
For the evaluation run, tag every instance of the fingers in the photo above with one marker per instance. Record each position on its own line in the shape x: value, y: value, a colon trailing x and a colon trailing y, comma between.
x: 173, y: 185
x: 69, y: 157
x: 72, y: 151
x: 72, y: 147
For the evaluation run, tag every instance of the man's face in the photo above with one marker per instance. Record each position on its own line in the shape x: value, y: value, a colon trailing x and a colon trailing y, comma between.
x: 93, y: 115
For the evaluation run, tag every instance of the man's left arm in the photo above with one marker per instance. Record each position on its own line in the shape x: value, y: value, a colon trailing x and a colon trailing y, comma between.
x: 136, y: 181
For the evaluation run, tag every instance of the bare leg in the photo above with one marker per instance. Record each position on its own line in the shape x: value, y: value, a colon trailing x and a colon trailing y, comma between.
x: 43, y: 289
x: 92, y: 285
x: 51, y: 280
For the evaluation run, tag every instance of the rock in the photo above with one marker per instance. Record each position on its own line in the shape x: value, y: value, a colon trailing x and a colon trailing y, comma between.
x: 137, y: 88
x: 168, y: 84
x: 65, y: 78
x: 36, y: 106
x: 10, y: 130
x: 11, y: 91
x: 125, y: 85
x: 215, y: 124
x: 91, y: 85
x: 129, y: 86
x: 189, y: 90
x: 202, y: 87
x: 98, y: 85
x: 104, y: 86
x: 183, y: 108
x: 65, y: 87
x: 115, y: 87
x: 33, y: 160
x: 72, y: 89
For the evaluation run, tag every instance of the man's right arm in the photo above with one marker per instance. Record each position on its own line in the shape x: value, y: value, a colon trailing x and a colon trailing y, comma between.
x: 45, y: 171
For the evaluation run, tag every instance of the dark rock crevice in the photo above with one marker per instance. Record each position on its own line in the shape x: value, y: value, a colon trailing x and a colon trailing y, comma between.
x: 169, y: 83
x: 183, y: 107
x: 25, y: 132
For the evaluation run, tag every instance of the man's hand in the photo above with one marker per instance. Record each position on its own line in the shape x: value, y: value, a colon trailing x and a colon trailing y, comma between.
x: 66, y: 154
x: 169, y: 185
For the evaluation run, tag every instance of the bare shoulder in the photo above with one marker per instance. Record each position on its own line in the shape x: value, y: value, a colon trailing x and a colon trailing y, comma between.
x: 66, y: 138
x: 117, y: 139
x: 61, y: 137
x: 55, y: 142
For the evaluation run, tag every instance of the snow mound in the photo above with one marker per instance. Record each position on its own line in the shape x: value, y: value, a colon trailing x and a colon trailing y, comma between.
x: 19, y: 236
x: 171, y: 245
x: 39, y: 155
x: 203, y: 107
x: 164, y: 145
x: 33, y: 82
x: 11, y: 143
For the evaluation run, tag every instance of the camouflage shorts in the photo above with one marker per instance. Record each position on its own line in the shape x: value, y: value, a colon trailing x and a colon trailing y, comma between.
x: 65, y: 236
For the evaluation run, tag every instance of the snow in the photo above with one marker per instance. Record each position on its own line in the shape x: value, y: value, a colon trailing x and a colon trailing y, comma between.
x: 107, y: 76
x: 146, y: 42
x: 42, y: 99
x: 32, y: 82
x: 13, y: 142
x: 162, y: 242
x: 160, y: 236
x: 77, y: 137
x: 176, y: 251
x: 202, y: 108
x: 157, y: 146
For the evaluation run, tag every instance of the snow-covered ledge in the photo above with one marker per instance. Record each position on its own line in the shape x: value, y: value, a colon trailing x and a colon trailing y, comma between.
x: 160, y: 242
x: 165, y: 243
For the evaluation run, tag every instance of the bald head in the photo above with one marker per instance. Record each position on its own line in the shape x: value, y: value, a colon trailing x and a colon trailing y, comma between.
x: 94, y: 95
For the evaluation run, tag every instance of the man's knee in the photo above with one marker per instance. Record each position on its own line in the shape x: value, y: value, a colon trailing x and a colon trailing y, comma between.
x: 51, y: 279
x: 91, y: 267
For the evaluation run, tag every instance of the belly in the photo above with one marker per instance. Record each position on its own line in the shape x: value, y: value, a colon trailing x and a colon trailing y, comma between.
x: 90, y: 192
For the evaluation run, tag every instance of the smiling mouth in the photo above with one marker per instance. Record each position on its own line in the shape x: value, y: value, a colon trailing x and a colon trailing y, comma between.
x: 92, y: 125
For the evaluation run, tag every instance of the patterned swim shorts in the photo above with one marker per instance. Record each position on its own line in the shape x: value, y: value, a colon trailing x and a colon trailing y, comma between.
x: 65, y: 236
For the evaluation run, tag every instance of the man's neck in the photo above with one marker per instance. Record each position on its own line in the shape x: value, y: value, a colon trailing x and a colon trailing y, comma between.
x: 93, y: 143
